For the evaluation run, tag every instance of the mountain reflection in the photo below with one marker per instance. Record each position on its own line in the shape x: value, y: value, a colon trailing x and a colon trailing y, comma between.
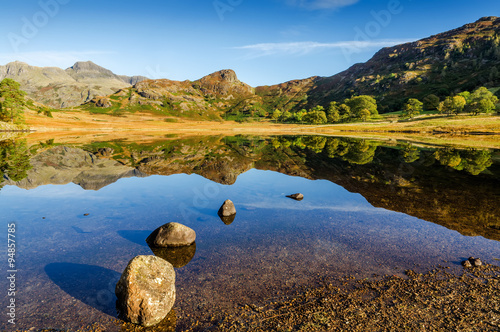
x: 456, y: 188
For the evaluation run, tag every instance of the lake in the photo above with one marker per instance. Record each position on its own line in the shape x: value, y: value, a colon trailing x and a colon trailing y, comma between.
x: 371, y: 208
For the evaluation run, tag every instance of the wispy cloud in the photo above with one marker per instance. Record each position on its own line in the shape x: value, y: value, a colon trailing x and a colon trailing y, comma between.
x: 321, y: 4
x: 303, y: 48
x: 50, y: 58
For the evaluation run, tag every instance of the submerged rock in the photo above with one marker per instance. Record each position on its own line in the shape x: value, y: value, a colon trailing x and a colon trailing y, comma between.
x: 146, y: 290
x: 177, y: 256
x: 172, y: 234
x: 297, y: 196
x: 227, y: 209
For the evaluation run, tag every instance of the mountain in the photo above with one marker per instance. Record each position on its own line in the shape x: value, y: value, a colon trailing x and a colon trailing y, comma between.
x: 59, y: 88
x: 206, y: 98
x: 458, y: 60
x: 443, y: 64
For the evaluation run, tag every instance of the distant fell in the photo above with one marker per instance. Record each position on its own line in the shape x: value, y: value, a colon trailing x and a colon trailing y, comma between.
x: 60, y: 88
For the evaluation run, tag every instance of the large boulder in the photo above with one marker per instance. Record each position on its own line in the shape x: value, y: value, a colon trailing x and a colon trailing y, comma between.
x: 171, y: 235
x: 146, y: 290
x: 227, y: 209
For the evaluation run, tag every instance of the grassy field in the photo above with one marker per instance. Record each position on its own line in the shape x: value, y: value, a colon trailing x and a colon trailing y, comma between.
x: 480, y: 131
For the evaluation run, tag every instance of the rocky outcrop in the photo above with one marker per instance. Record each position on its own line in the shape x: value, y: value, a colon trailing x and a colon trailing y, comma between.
x: 146, y: 290
x: 171, y: 235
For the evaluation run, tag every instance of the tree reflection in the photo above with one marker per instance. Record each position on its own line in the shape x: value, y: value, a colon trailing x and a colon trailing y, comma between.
x: 14, y: 159
x: 473, y: 161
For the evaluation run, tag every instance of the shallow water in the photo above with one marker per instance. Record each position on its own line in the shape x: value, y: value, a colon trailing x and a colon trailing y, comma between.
x: 68, y: 262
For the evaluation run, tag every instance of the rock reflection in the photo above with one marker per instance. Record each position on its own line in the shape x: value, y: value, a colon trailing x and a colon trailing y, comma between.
x: 168, y: 324
x: 177, y: 256
x: 227, y: 220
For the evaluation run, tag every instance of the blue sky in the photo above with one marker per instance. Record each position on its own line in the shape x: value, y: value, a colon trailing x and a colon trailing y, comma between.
x: 265, y: 42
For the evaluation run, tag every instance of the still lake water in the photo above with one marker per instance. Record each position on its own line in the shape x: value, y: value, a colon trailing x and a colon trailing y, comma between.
x: 370, y: 208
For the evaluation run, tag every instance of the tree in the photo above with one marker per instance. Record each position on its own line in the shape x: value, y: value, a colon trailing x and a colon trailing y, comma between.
x: 286, y: 116
x: 482, y: 101
x: 412, y: 107
x: 458, y: 104
x: 332, y: 112
x: 446, y: 106
x: 431, y: 102
x: 299, y: 115
x: 359, y: 103
x: 11, y: 99
x: 315, y: 117
x: 276, y: 114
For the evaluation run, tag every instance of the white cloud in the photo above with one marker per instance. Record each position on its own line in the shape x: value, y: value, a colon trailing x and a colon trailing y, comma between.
x: 302, y: 48
x: 321, y: 4
x: 50, y: 58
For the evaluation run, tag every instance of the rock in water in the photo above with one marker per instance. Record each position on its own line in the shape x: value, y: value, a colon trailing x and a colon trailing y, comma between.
x: 297, y: 196
x: 172, y: 234
x: 475, y: 261
x: 146, y: 290
x: 227, y: 209
x: 466, y: 263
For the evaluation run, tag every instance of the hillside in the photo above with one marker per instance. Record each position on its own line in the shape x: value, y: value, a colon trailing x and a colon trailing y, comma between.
x: 444, y: 64
x: 60, y: 88
x: 206, y: 98
x: 450, y: 62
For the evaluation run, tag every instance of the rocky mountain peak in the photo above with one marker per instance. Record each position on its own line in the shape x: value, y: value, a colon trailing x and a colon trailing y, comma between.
x: 89, y: 67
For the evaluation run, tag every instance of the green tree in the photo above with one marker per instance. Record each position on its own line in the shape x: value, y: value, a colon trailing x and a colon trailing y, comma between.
x: 276, y: 115
x: 482, y: 101
x: 412, y: 107
x: 315, y: 117
x: 286, y: 116
x: 345, y: 113
x: 359, y: 103
x: 431, y: 102
x: 299, y: 115
x: 458, y: 104
x: 11, y: 100
x: 332, y: 112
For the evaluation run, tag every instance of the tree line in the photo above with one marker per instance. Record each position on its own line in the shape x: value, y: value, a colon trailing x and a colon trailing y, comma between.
x: 364, y: 107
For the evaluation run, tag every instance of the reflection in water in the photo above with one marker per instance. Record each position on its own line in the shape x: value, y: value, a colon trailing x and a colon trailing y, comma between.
x: 168, y: 324
x: 228, y: 220
x: 275, y: 247
x: 14, y: 159
x: 177, y: 256
x: 402, y: 177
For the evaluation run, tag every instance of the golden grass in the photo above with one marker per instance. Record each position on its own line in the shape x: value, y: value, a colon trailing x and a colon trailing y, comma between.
x: 77, y: 126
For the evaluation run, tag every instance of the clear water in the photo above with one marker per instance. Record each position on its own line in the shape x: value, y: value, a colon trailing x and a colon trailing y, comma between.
x: 68, y: 262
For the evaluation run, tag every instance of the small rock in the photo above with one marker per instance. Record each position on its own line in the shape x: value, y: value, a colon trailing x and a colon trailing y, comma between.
x: 297, y: 196
x: 466, y: 263
x: 227, y: 209
x: 86, y: 214
x: 475, y: 261
x: 146, y: 290
x: 171, y: 235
